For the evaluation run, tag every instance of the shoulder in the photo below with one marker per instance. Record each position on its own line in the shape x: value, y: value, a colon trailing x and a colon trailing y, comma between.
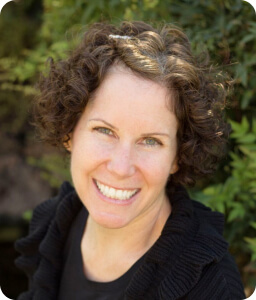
x: 45, y: 212
x: 41, y: 249
x: 190, y: 260
x: 219, y: 280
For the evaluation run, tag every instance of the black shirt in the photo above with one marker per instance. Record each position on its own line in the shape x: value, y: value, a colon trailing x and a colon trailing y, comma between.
x: 74, y: 284
x: 189, y: 260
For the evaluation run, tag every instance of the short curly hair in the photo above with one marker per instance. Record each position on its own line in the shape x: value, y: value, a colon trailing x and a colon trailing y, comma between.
x: 162, y: 55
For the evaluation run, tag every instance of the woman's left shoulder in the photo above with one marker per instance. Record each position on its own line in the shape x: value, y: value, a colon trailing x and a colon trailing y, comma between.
x: 219, y: 280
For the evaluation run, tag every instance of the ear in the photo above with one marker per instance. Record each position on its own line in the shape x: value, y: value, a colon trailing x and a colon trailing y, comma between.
x: 68, y: 144
x: 175, y: 167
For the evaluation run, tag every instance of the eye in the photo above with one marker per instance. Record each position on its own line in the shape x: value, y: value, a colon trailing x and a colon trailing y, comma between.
x: 152, y: 142
x: 104, y: 130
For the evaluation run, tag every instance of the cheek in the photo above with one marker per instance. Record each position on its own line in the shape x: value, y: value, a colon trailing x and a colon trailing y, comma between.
x: 156, y: 168
x: 87, y: 152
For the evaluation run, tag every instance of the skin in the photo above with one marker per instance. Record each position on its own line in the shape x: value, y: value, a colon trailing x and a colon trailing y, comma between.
x: 126, y: 139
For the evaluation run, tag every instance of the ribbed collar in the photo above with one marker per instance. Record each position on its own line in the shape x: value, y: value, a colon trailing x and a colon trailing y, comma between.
x: 190, y: 240
x: 42, y: 249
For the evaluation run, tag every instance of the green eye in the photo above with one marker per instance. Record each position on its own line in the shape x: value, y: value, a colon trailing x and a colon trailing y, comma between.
x: 104, y: 130
x: 152, y: 142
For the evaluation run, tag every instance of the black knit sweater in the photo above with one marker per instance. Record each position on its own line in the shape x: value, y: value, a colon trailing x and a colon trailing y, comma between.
x: 188, y: 261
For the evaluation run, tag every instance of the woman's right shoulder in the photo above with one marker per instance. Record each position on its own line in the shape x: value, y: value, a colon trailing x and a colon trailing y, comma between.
x: 45, y: 211
x: 42, y: 217
x: 47, y: 232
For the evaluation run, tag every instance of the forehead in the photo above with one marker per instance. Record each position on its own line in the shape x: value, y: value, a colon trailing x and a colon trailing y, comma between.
x: 126, y: 95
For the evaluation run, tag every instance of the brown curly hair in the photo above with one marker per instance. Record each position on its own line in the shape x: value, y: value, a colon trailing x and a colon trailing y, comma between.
x: 162, y: 55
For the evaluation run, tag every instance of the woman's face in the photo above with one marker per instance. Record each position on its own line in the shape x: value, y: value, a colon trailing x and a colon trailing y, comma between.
x: 123, y: 149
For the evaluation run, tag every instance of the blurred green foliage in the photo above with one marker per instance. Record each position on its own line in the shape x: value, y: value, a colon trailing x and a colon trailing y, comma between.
x: 54, y: 168
x: 236, y: 196
x: 224, y: 28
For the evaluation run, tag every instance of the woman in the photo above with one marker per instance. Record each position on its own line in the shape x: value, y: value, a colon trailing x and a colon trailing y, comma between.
x: 140, y: 118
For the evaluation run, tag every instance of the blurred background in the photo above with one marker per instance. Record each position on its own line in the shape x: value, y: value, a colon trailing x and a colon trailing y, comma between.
x: 30, y: 171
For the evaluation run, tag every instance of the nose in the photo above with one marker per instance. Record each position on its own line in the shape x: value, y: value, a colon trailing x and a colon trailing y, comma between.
x: 121, y: 162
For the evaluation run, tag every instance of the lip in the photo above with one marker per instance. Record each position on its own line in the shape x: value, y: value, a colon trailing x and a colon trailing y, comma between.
x: 115, y: 201
x: 116, y: 188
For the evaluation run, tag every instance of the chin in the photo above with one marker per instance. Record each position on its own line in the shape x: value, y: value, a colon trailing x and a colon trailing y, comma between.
x: 110, y: 221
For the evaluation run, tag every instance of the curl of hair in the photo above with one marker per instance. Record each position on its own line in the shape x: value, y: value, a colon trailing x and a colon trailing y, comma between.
x: 162, y: 55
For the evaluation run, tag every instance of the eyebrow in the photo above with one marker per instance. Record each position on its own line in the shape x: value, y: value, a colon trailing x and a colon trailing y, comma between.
x: 105, y: 122
x: 143, y: 135
x: 154, y: 133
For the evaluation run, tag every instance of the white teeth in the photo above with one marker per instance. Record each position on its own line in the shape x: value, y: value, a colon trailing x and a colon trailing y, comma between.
x: 114, y: 193
x: 119, y: 194
x: 125, y: 194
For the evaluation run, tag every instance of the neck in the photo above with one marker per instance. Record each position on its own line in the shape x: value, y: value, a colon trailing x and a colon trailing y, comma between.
x: 147, y: 228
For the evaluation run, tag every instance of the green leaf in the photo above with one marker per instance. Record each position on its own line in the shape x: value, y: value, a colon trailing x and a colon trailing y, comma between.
x: 247, y: 38
x: 246, y: 99
x: 239, y: 129
x: 254, y: 125
x: 238, y: 212
x: 27, y: 215
x: 245, y: 124
x: 253, y: 224
x: 248, y: 148
x: 253, y: 257
x: 241, y: 74
x: 247, y: 138
x: 251, y: 242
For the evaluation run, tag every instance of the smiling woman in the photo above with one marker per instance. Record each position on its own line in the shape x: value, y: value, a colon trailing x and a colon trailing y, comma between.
x: 134, y: 152
x: 140, y: 119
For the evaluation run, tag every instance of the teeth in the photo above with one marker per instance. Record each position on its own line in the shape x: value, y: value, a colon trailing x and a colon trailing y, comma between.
x: 114, y: 193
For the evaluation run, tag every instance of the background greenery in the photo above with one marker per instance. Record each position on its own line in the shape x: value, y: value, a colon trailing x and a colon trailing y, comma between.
x: 33, y: 30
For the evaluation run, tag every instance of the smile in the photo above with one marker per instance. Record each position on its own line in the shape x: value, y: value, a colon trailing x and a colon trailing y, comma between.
x: 116, y: 194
